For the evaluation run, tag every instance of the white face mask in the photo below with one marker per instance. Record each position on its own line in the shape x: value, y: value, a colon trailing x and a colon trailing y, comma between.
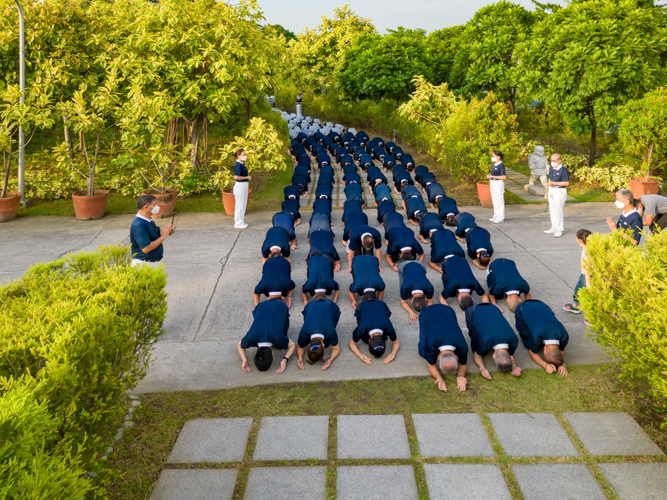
x: 619, y: 204
x: 494, y: 159
x: 155, y: 210
x: 554, y: 164
x: 243, y: 158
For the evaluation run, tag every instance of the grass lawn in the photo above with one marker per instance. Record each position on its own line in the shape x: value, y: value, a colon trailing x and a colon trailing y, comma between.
x: 142, y: 454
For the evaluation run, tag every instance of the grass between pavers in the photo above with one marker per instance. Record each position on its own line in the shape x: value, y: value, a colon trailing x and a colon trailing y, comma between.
x: 142, y: 454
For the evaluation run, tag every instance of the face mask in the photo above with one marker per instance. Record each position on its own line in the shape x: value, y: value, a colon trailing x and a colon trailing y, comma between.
x: 554, y: 164
x: 493, y: 159
x: 156, y: 210
x: 243, y: 158
x: 619, y: 204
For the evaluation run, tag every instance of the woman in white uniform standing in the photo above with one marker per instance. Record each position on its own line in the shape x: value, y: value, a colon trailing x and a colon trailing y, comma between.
x: 497, y: 178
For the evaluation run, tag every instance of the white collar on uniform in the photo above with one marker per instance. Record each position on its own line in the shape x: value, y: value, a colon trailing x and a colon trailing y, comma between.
x: 451, y: 213
x: 448, y: 256
x: 482, y: 250
x: 375, y: 330
x: 498, y: 163
x: 558, y: 167
x: 552, y: 342
x: 501, y: 346
x: 320, y: 290
x: 431, y: 231
x: 634, y: 210
x: 513, y: 292
x: 369, y: 290
x: 317, y: 336
x: 275, y: 246
x: 415, y: 292
x: 464, y: 290
x: 446, y: 348
x: 468, y: 229
x: 405, y: 249
x: 264, y: 344
x: 365, y: 234
x: 144, y: 218
x: 275, y: 294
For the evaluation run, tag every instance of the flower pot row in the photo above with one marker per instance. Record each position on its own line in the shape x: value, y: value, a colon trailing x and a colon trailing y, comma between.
x: 93, y: 207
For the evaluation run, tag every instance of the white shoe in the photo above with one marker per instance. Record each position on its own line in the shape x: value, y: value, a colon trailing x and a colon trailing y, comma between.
x: 492, y: 219
x: 550, y: 231
x: 496, y: 221
x: 242, y: 226
x: 558, y: 234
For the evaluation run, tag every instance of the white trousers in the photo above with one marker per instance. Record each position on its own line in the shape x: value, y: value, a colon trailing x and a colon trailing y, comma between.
x: 240, y: 202
x: 557, y: 197
x: 298, y: 110
x: 138, y: 262
x: 498, y: 199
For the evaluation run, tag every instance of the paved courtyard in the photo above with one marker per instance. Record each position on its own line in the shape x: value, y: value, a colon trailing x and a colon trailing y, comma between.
x: 213, y: 269
x: 390, y: 457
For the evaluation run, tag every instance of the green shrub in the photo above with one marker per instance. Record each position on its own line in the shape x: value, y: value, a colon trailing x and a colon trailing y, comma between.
x: 626, y: 303
x: 77, y: 331
x: 32, y: 466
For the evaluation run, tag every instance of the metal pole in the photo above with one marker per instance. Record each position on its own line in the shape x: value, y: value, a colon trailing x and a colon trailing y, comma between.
x: 22, y: 85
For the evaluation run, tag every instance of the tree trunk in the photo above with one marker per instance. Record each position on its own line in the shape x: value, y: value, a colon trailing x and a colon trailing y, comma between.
x: 206, y: 145
x: 82, y: 146
x: 93, y: 168
x: 8, y: 166
x: 68, y: 138
x: 591, y: 156
x: 172, y: 131
x: 246, y: 102
x: 511, y: 100
x: 194, y: 140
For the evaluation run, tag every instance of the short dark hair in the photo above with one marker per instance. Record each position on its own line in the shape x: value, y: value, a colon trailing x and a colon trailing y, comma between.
x: 144, y: 200
x: 377, y: 346
x: 466, y: 302
x: 370, y: 295
x: 418, y: 303
x: 484, y: 259
x: 238, y: 153
x: 368, y: 242
x: 407, y: 255
x: 320, y: 295
x: 583, y: 235
x: 554, y: 357
x: 315, y: 351
x: 275, y: 252
x: 503, y: 361
x: 498, y: 154
x: 263, y: 358
x: 450, y: 220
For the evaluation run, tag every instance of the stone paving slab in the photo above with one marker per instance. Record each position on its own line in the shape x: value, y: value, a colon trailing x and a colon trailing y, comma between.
x: 211, y: 440
x: 611, y: 433
x: 637, y: 481
x: 293, y: 438
x: 286, y: 483
x: 378, y: 482
x: 451, y: 435
x: 532, y: 435
x: 466, y: 482
x: 372, y: 436
x: 557, y: 482
x: 195, y: 484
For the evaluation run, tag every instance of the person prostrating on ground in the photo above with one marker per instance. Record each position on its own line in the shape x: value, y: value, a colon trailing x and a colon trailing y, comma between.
x: 374, y: 328
x: 320, y: 318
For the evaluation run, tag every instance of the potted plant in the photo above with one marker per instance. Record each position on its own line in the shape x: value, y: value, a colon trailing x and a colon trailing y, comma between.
x: 643, y: 133
x: 15, y: 114
x: 264, y: 148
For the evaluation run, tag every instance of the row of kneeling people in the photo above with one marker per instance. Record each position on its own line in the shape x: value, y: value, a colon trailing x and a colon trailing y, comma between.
x: 441, y: 340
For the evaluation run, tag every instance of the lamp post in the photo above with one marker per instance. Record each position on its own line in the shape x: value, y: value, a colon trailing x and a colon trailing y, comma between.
x: 22, y: 85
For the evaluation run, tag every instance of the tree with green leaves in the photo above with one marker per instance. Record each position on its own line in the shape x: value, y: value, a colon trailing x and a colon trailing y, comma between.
x: 384, y: 66
x: 486, y: 57
x: 590, y: 57
x: 281, y: 31
x: 441, y: 49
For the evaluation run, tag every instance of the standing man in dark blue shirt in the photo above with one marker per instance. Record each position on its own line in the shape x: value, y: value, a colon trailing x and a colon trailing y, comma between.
x: 629, y: 219
x: 415, y: 287
x: 374, y: 328
x: 268, y: 331
x: 145, y: 235
x: 538, y: 328
x: 442, y: 345
x: 504, y: 279
x: 240, y: 189
x: 490, y: 331
x: 320, y: 318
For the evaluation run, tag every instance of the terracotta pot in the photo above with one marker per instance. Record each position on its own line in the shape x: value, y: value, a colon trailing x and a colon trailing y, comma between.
x: 166, y: 201
x: 640, y: 186
x: 229, y: 202
x: 90, y: 207
x: 484, y: 194
x: 9, y: 207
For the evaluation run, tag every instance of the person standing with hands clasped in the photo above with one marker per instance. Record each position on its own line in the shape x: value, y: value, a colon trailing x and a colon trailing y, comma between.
x: 145, y: 235
x: 497, y: 178
x: 630, y: 218
x: 240, y: 189
x: 559, y: 179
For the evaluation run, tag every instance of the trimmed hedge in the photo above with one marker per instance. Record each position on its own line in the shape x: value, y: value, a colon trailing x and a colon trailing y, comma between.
x: 76, y: 334
x: 626, y: 304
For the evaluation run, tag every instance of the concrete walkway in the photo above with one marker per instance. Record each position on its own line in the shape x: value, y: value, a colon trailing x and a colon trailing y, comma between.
x: 213, y: 269
x: 381, y: 457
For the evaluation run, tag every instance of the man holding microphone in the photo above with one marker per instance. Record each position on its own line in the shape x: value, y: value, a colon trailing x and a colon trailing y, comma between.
x: 559, y: 179
x: 145, y: 235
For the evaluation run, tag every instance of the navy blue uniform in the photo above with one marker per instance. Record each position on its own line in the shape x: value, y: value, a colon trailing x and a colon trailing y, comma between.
x: 414, y: 278
x: 498, y: 170
x: 402, y: 238
x: 444, y: 243
x: 354, y: 192
x: 487, y: 328
x: 321, y: 243
x: 366, y: 161
x: 379, y: 153
x: 270, y: 324
x: 374, y: 175
x: 457, y: 276
x: 349, y: 169
x: 301, y: 181
x: 323, y: 206
x: 430, y: 222
x: 410, y: 192
x: 276, y: 277
x: 381, y: 192
x: 415, y: 207
x: 401, y: 179
x: 319, y: 222
x: 291, y: 206
x: 320, y: 316
x: 355, y: 238
x: 142, y: 233
x: 320, y: 275
x: 536, y: 323
x: 276, y: 237
x: 373, y: 315
x: 240, y: 170
x: 286, y: 221
x: 419, y: 171
x: 385, y: 207
x: 389, y: 161
x: 302, y: 171
x: 323, y: 191
x: 392, y: 220
x: 351, y: 206
x: 464, y: 222
x: 447, y: 207
x: 366, y: 274
x: 291, y: 192
x: 438, y: 328
x: 427, y: 179
x: 397, y: 152
x: 435, y: 191
x: 560, y: 175
x: 478, y: 239
x: 632, y: 221
x: 408, y: 161
x: 352, y: 178
x: 504, y: 277
x: 353, y: 220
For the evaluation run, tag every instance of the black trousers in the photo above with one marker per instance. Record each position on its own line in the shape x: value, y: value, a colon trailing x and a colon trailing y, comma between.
x: 659, y: 222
